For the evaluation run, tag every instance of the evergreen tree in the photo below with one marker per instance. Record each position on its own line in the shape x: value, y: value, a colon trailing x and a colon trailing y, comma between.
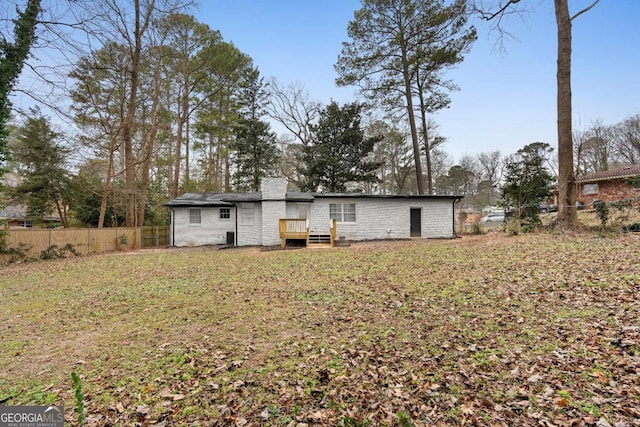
x: 256, y: 153
x: 41, y: 165
x: 527, y: 182
x: 340, y: 151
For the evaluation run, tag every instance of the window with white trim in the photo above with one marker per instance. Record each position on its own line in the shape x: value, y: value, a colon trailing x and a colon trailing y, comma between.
x: 25, y: 223
x: 342, y: 212
x: 225, y: 213
x: 195, y: 217
x: 590, y: 189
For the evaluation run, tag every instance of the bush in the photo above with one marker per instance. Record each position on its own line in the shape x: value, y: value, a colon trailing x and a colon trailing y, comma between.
x: 476, y: 229
x: 602, y: 210
x: 53, y: 252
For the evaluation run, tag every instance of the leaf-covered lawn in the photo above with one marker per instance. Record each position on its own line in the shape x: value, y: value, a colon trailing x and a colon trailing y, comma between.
x: 490, y: 330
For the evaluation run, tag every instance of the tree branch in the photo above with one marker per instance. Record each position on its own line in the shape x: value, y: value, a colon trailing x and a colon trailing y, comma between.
x: 490, y: 16
x: 586, y: 9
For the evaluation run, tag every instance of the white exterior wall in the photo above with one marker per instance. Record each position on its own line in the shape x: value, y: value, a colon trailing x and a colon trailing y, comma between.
x: 211, y: 231
x: 385, y: 218
x: 249, y: 232
x: 272, y: 211
x: 274, y: 207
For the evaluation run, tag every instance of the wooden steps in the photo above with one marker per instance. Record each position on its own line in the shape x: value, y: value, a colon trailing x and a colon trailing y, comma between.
x: 319, y: 240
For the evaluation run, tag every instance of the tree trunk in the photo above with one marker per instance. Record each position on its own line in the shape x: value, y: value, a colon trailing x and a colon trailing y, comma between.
x: 412, y: 124
x: 567, y: 215
x: 177, y: 153
x: 427, y: 147
x: 149, y: 144
x: 107, y: 185
x: 128, y: 129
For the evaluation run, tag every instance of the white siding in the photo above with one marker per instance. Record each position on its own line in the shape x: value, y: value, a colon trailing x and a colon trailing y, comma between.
x: 211, y: 231
x: 272, y: 211
x: 250, y: 233
x: 385, y: 218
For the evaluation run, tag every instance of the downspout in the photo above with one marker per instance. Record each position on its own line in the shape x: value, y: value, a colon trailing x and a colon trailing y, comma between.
x: 173, y: 227
x: 235, y: 236
x: 455, y: 201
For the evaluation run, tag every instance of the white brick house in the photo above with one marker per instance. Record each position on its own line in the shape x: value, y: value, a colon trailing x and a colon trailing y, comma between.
x: 259, y: 218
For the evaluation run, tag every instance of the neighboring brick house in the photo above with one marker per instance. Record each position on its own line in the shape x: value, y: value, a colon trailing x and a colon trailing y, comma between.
x: 15, y: 216
x: 610, y: 185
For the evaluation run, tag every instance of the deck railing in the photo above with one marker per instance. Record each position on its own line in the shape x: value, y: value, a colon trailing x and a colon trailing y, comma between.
x: 295, y: 228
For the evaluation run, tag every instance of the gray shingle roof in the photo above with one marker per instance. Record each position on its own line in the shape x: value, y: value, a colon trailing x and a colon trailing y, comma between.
x: 213, y: 199
x: 19, y: 212
x: 228, y: 199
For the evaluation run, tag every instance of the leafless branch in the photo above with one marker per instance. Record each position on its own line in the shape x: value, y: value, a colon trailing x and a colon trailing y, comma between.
x: 489, y: 16
x: 586, y: 9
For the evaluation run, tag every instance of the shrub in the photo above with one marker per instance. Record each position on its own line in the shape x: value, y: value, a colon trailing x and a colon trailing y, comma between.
x: 53, y: 252
x: 602, y: 210
x: 476, y: 229
x: 635, y: 227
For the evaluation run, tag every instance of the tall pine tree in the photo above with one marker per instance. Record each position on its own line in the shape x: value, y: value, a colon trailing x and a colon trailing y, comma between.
x: 256, y: 153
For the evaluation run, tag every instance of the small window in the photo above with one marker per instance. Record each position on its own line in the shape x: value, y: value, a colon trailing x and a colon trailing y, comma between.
x: 195, y: 217
x: 343, y: 212
x: 590, y: 189
x: 25, y: 224
x: 225, y: 213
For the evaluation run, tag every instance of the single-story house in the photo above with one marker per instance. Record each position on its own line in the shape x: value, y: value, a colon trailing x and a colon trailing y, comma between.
x: 274, y: 215
x: 15, y: 216
x: 609, y: 186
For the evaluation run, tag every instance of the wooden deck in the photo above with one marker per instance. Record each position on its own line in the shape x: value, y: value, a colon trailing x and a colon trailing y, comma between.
x: 298, y: 229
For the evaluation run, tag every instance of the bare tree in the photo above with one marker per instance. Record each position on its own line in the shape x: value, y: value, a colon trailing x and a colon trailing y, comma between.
x: 295, y: 111
x: 625, y: 139
x: 593, y: 148
x: 494, y: 11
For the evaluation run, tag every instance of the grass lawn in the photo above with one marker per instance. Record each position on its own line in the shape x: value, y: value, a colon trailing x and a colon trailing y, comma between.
x: 538, y: 329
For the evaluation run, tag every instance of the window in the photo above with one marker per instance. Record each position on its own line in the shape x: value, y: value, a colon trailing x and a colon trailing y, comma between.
x: 225, y: 213
x: 342, y: 212
x: 195, y: 217
x: 590, y: 189
x: 25, y: 224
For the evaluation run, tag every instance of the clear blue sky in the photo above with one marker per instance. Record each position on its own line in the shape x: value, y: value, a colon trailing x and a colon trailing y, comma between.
x: 506, y: 99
